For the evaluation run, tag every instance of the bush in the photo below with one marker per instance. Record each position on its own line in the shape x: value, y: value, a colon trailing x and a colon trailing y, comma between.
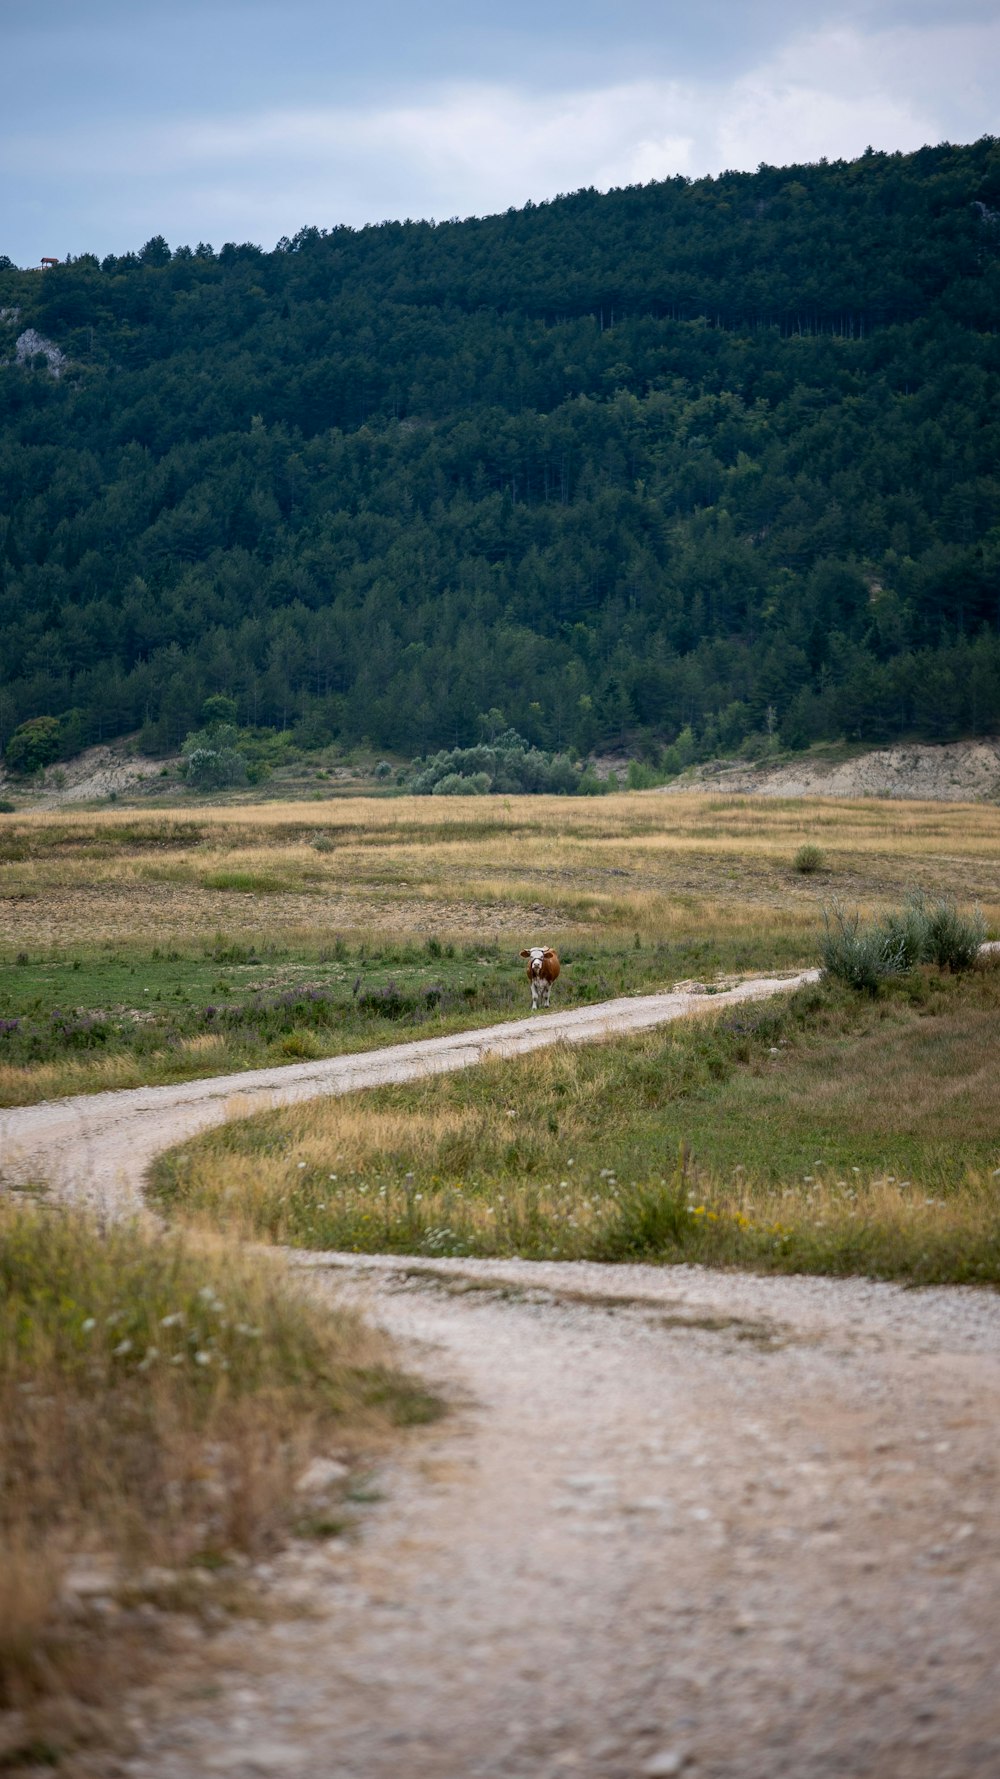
x: 906, y: 929
x: 32, y: 745
x: 920, y: 932
x: 808, y: 859
x: 507, y: 765
x: 215, y: 769
x: 952, y: 940
x: 861, y: 956
x: 460, y: 784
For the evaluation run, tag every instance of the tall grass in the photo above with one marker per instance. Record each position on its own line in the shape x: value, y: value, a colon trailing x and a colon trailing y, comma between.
x: 863, y: 953
x: 158, y: 1399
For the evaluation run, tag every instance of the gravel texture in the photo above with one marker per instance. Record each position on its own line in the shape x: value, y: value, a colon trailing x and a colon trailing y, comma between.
x: 678, y: 1521
x: 745, y: 1526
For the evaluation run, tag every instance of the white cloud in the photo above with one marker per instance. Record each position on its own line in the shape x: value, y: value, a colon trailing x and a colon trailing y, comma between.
x: 474, y: 148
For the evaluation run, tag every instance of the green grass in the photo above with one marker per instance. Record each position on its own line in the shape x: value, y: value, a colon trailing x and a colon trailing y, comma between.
x: 114, y: 1016
x: 807, y: 1134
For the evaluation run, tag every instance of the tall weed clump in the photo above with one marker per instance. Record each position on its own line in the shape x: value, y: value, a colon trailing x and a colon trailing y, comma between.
x: 864, y: 953
x: 952, y: 939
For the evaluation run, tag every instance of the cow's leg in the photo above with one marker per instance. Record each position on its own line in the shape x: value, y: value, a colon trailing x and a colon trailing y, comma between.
x: 547, y: 992
x: 534, y: 994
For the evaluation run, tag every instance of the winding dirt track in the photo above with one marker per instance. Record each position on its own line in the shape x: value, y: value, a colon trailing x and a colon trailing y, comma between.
x: 97, y: 1146
x: 679, y: 1521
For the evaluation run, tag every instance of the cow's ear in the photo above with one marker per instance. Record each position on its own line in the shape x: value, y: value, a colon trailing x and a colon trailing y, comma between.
x: 526, y: 954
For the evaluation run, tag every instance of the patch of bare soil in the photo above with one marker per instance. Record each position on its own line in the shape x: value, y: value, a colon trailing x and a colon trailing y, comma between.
x: 92, y: 777
x: 958, y: 772
x: 678, y: 1522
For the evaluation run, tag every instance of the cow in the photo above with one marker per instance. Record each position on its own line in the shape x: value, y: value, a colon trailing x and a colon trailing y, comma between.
x: 543, y: 968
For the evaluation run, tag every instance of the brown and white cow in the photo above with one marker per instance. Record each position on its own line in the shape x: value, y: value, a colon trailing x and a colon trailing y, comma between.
x: 543, y: 968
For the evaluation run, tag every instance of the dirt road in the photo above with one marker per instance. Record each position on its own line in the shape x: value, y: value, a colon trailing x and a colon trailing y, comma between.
x: 96, y: 1146
x: 745, y: 1528
x: 678, y: 1521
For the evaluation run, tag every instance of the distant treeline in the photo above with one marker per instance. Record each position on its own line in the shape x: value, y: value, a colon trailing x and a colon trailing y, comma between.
x: 716, y: 457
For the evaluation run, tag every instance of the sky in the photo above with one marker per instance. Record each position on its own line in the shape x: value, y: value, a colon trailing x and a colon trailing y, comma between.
x: 245, y: 120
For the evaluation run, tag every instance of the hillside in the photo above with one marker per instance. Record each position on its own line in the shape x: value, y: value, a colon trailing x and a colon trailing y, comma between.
x: 696, y: 460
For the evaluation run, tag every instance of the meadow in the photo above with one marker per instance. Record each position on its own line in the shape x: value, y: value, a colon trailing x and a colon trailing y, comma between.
x: 140, y: 946
x: 825, y: 1131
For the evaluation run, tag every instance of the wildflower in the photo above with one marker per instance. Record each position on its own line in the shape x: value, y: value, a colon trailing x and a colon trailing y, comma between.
x: 202, y: 1358
x: 125, y: 1346
x: 146, y: 1361
x: 88, y: 1325
x: 173, y: 1321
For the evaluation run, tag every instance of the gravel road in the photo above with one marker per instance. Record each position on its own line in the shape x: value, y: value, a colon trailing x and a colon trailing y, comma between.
x: 677, y: 1522
x: 96, y: 1147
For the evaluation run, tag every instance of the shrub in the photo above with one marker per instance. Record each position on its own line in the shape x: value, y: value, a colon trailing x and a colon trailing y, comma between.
x: 860, y: 955
x: 507, y: 765
x: 213, y: 760
x: 952, y: 940
x: 920, y: 932
x: 905, y: 929
x: 460, y: 784
x: 808, y: 859
x: 215, y: 769
x: 34, y: 744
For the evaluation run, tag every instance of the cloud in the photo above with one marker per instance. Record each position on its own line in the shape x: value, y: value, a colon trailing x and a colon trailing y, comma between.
x: 473, y: 148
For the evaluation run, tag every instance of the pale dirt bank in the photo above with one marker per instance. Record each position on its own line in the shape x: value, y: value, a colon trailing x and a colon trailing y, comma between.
x: 959, y: 772
x: 735, y: 1527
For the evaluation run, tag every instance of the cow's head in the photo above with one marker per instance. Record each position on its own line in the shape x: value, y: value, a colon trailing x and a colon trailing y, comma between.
x: 535, y: 957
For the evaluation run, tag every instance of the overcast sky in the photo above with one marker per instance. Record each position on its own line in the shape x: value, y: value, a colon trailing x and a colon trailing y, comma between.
x: 220, y: 120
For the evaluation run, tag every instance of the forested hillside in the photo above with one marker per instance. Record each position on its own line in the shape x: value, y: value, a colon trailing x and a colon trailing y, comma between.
x: 716, y: 455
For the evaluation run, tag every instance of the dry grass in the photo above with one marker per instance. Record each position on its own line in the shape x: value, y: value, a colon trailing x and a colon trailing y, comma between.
x: 828, y: 1133
x: 158, y: 1398
x: 632, y: 862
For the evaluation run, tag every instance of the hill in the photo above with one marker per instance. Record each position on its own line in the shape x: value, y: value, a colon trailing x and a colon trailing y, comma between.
x: 686, y: 463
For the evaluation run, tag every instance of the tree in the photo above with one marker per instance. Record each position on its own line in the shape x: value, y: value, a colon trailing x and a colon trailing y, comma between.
x: 33, y: 745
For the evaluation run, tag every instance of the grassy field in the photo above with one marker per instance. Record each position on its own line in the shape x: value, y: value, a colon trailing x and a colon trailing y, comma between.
x: 139, y: 947
x: 828, y: 1132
